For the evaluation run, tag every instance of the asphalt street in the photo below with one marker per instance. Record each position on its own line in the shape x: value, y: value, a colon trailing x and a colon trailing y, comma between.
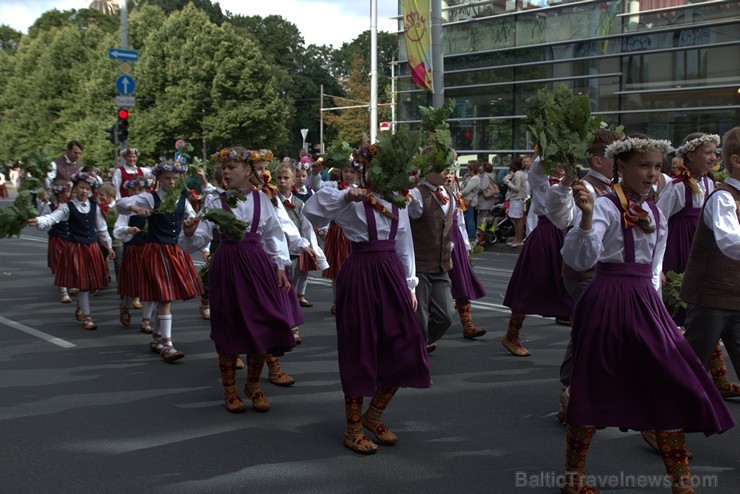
x: 96, y: 411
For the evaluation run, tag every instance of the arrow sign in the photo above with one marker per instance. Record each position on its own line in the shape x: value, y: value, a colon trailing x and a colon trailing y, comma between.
x: 119, y: 54
x: 125, y: 85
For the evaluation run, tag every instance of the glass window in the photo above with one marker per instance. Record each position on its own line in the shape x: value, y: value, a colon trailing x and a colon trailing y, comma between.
x: 674, y: 126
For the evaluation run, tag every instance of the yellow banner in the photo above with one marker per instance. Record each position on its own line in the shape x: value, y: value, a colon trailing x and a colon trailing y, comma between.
x: 417, y: 29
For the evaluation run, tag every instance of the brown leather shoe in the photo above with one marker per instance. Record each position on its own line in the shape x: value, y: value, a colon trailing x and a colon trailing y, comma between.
x: 87, y: 323
x: 359, y: 443
x: 304, y: 303
x: 382, y: 433
x: 259, y: 402
x: 431, y: 347
x: 515, y: 347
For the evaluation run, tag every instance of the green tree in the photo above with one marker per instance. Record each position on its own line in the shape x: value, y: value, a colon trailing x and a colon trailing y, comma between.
x: 9, y: 39
x: 212, y: 10
x: 353, y: 125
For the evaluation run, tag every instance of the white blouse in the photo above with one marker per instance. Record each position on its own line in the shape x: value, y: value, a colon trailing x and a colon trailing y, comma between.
x: 538, y: 185
x: 721, y: 213
x: 146, y: 200
x: 62, y: 214
x: 307, y: 233
x: 604, y: 242
x: 673, y: 198
x: 269, y: 229
x: 117, y: 178
x: 416, y: 208
x: 561, y: 208
x: 328, y: 204
x: 296, y: 242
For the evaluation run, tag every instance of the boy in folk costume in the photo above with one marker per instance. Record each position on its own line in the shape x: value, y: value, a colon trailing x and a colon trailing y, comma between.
x: 304, y: 192
x: 81, y: 262
x: 168, y: 273
x: 58, y: 233
x: 248, y: 280
x: 711, y: 284
x: 622, y: 331
x: 130, y: 229
x: 296, y: 244
x: 464, y: 284
x: 380, y: 344
x: 285, y: 176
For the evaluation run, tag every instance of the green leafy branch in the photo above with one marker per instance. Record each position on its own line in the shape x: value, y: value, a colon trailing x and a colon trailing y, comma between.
x: 672, y: 292
x: 392, y: 165
x: 14, y: 218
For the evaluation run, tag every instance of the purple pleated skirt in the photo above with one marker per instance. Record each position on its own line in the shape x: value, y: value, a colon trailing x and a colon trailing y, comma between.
x: 379, y: 340
x: 632, y: 367
x: 290, y: 303
x: 536, y: 285
x: 247, y: 308
x: 465, y: 284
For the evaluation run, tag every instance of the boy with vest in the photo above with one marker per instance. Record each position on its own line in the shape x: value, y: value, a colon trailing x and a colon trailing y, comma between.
x: 711, y: 284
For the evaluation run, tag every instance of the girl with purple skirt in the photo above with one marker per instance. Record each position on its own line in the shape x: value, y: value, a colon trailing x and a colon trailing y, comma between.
x: 465, y: 285
x: 536, y: 284
x: 247, y: 280
x: 622, y: 331
x: 682, y: 200
x: 381, y: 345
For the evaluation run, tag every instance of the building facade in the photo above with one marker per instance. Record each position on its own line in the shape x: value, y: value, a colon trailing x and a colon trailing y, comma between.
x: 664, y: 68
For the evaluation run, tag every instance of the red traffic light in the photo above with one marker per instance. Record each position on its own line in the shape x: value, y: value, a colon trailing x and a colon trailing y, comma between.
x: 123, y: 114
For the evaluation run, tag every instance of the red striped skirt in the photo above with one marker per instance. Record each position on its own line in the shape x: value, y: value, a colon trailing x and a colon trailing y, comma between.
x: 336, y: 249
x: 129, y: 274
x: 167, y: 274
x: 81, y: 266
x: 306, y: 263
x: 54, y: 252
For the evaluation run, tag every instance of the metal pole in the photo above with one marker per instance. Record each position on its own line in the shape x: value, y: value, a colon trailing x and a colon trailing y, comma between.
x: 321, y: 121
x: 438, y: 98
x: 203, y: 129
x: 373, y: 70
x: 124, y: 24
x: 393, y: 96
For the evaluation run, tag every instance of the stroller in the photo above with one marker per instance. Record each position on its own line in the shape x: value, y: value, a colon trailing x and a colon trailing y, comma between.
x: 497, y: 227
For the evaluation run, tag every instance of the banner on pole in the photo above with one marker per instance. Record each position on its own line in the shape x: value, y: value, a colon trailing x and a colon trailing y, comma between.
x: 417, y: 30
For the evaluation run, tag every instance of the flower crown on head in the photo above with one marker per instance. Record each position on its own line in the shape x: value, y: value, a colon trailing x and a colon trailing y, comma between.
x: 363, y: 156
x: 304, y: 164
x: 59, y: 188
x: 637, y: 145
x: 138, y: 183
x: 130, y: 151
x: 693, y: 144
x: 85, y: 177
x: 237, y: 153
x: 169, y: 166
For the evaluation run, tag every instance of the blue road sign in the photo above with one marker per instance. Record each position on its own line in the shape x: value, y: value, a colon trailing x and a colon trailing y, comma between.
x: 125, y: 85
x: 119, y: 54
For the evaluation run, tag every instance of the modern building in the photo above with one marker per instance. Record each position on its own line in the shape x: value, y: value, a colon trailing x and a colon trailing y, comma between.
x: 664, y: 68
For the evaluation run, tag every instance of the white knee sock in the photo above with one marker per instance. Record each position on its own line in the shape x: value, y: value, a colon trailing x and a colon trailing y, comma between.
x: 164, y: 323
x: 62, y: 289
x: 147, y: 310
x: 83, y: 299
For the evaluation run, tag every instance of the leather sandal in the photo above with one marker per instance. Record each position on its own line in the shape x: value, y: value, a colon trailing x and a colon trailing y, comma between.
x: 124, y: 315
x: 359, y: 443
x: 136, y: 304
x: 146, y: 326
x: 65, y: 298
x: 239, y: 363
x: 205, y: 311
x: 304, y: 303
x: 78, y: 314
x: 87, y: 323
x: 168, y: 352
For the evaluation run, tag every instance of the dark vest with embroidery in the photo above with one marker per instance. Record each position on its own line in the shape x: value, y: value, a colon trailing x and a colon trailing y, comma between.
x: 432, y: 234
x: 164, y: 228
x: 711, y: 278
x: 82, y: 225
x: 61, y: 229
x: 140, y: 223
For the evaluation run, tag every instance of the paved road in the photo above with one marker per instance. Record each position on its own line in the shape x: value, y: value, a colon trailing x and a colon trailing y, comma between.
x: 85, y: 411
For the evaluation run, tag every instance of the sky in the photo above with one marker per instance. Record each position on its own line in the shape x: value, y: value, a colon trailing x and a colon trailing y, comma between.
x: 321, y: 22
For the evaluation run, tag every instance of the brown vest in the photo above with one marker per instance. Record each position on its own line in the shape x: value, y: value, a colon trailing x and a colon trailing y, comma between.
x: 65, y: 170
x: 432, y: 234
x: 569, y: 273
x: 711, y: 278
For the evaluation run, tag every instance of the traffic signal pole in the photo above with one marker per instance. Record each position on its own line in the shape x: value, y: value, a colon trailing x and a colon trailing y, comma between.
x: 124, y: 45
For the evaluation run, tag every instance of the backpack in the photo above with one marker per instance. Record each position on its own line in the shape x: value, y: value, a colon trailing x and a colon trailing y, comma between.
x: 490, y: 190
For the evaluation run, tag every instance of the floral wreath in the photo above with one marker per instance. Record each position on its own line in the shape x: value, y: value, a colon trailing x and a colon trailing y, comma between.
x: 138, y: 183
x: 363, y: 156
x: 638, y: 145
x: 693, y: 144
x: 88, y: 178
x: 304, y: 164
x: 59, y: 188
x: 130, y: 151
x: 169, y: 166
x: 237, y: 153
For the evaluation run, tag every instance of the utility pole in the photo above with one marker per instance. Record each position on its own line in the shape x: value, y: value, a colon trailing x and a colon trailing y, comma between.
x: 374, y: 70
x: 393, y: 96
x: 124, y: 46
x: 321, y: 121
x: 438, y: 98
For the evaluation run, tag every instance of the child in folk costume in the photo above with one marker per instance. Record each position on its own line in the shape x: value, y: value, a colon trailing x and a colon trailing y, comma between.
x: 58, y: 233
x: 711, y: 285
x: 380, y: 343
x: 168, y: 273
x: 302, y: 189
x: 303, y: 261
x: 536, y: 285
x: 622, y: 331
x: 130, y: 229
x: 561, y: 210
x: 682, y: 199
x: 336, y: 245
x: 81, y: 262
x: 296, y: 244
x: 128, y: 171
x: 465, y: 285
x: 303, y: 192
x: 248, y: 279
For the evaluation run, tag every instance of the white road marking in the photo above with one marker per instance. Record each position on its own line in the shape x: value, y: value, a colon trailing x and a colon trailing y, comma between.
x: 35, y: 332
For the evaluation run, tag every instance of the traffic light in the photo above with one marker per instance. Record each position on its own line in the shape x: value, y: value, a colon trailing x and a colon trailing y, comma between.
x: 122, y: 125
x: 111, y: 134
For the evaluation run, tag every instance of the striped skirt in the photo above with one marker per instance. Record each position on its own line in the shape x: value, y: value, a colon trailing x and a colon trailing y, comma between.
x: 130, y: 272
x: 81, y: 266
x: 167, y: 274
x: 54, y: 252
x: 336, y: 248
